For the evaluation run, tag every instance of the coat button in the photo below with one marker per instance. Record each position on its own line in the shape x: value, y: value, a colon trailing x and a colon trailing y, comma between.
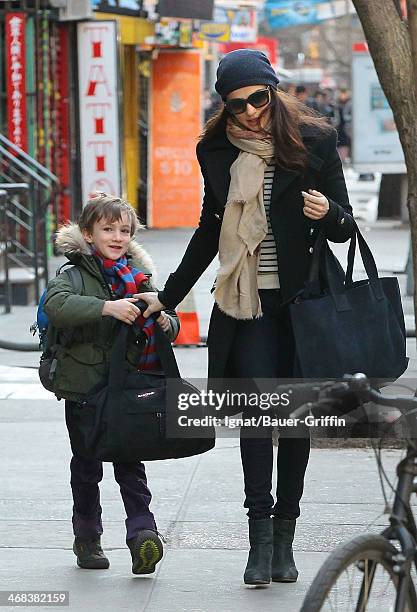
x: 311, y: 249
x: 217, y: 216
x: 311, y: 230
x: 342, y: 221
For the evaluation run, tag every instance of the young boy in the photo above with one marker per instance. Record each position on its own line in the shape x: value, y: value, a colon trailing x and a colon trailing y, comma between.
x: 113, y: 267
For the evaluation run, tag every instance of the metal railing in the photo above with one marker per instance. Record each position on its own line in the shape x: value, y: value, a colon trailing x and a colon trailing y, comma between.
x: 30, y: 190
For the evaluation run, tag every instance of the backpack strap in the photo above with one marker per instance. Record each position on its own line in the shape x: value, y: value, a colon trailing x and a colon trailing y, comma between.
x: 76, y: 279
x: 75, y: 276
x: 65, y: 337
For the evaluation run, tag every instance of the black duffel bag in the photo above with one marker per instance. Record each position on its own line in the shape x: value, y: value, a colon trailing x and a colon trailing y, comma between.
x: 348, y: 327
x: 132, y: 415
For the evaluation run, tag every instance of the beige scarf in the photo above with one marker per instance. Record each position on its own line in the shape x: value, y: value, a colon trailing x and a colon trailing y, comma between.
x: 244, y: 226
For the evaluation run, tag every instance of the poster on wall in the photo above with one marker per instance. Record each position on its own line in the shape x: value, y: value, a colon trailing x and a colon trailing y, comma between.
x: 175, y: 183
x: 231, y: 25
x: 287, y: 13
x: 99, y: 108
x: 376, y: 144
x: 16, y: 79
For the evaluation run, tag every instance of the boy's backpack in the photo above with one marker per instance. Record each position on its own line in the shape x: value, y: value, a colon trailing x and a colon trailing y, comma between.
x: 52, y: 340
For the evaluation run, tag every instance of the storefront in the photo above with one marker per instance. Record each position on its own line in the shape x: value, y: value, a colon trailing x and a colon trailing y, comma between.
x: 107, y: 103
x: 35, y: 90
x: 161, y: 85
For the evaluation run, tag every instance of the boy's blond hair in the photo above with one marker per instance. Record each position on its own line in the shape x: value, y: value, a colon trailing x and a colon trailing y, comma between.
x: 110, y: 207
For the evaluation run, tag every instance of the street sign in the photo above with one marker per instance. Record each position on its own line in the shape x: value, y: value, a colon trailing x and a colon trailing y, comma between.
x: 16, y: 79
x: 376, y: 145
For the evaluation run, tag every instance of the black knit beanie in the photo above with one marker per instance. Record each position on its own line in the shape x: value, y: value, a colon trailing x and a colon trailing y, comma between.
x: 244, y: 67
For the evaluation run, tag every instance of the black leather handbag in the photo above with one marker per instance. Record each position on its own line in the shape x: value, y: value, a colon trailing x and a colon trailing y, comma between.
x: 133, y: 415
x: 348, y: 327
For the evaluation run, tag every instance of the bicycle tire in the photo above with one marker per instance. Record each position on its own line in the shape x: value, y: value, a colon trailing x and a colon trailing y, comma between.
x: 373, y: 547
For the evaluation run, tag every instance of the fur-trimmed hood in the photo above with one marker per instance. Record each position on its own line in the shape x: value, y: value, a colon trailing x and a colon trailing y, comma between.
x: 70, y: 241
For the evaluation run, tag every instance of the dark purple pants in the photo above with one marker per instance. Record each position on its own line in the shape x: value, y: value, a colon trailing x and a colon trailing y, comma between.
x: 85, y: 476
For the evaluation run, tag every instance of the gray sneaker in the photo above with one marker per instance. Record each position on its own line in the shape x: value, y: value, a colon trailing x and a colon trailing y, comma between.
x: 89, y: 554
x: 146, y: 550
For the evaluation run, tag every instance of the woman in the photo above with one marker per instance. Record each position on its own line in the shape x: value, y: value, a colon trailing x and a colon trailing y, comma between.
x: 272, y: 179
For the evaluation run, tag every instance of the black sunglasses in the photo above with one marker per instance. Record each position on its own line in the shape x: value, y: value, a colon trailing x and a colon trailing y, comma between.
x: 257, y: 99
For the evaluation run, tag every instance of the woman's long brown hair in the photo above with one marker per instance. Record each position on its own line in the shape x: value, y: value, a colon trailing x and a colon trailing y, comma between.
x: 288, y: 115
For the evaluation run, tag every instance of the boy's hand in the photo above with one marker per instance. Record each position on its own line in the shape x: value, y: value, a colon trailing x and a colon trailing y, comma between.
x: 151, y: 298
x: 164, y: 322
x: 124, y: 310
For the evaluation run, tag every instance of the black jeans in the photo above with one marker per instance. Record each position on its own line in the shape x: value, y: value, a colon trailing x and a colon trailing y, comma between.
x: 264, y: 348
x: 85, y: 476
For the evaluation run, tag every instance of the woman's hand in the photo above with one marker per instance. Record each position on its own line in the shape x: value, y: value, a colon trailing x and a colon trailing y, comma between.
x: 124, y: 310
x: 164, y: 322
x: 316, y: 205
x: 151, y: 298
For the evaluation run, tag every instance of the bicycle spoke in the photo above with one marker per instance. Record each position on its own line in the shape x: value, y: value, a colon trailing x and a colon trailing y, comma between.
x: 365, y: 586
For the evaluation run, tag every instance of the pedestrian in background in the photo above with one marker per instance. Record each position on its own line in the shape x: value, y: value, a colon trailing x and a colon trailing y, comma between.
x: 272, y: 180
x: 321, y: 105
x: 113, y: 266
x: 343, y: 124
x: 301, y: 94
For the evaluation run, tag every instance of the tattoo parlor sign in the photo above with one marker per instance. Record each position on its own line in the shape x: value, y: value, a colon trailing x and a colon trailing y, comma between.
x: 99, y: 108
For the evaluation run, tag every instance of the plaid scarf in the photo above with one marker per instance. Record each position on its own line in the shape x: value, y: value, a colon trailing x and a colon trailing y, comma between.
x: 125, y: 281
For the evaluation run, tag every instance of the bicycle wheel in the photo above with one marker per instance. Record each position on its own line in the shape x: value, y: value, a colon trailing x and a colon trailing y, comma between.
x: 358, y: 577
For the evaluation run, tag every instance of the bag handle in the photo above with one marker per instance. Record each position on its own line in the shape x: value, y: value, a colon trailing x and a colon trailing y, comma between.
x: 337, y: 286
x: 118, y: 366
x: 322, y: 250
x: 368, y: 262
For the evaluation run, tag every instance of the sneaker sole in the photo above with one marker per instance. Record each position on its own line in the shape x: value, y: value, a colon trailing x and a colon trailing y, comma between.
x: 94, y: 565
x: 149, y: 553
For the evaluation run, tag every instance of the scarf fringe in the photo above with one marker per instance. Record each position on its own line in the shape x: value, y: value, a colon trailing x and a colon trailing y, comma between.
x: 238, y: 316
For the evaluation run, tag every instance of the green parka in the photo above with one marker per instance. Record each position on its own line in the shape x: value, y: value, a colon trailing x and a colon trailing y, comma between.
x: 84, y: 362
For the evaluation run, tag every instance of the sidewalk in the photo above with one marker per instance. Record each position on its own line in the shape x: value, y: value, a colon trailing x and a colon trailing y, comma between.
x: 197, y: 501
x: 198, y: 506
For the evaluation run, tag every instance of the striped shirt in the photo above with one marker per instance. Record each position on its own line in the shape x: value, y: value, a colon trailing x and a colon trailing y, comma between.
x: 268, y: 264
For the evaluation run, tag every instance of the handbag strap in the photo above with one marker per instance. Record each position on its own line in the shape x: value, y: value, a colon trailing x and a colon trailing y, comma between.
x: 351, y: 260
x: 337, y: 285
x: 118, y: 365
x: 321, y: 250
x: 368, y: 262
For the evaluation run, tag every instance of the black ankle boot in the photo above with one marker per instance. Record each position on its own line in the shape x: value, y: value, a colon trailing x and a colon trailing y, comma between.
x: 283, y: 565
x: 89, y: 554
x: 258, y: 568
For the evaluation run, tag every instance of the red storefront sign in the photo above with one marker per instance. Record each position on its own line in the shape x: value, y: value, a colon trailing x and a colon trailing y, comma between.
x: 267, y: 45
x: 16, y: 79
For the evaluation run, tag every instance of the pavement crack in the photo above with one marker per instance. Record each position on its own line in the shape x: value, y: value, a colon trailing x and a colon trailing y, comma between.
x: 169, y: 530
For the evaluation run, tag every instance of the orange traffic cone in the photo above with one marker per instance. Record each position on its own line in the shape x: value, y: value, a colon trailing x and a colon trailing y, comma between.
x: 190, y: 328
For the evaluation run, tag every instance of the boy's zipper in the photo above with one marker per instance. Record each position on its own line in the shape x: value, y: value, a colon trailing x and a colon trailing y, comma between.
x: 160, y: 423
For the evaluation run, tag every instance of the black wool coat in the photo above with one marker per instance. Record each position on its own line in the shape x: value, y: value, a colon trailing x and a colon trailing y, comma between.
x: 294, y: 233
